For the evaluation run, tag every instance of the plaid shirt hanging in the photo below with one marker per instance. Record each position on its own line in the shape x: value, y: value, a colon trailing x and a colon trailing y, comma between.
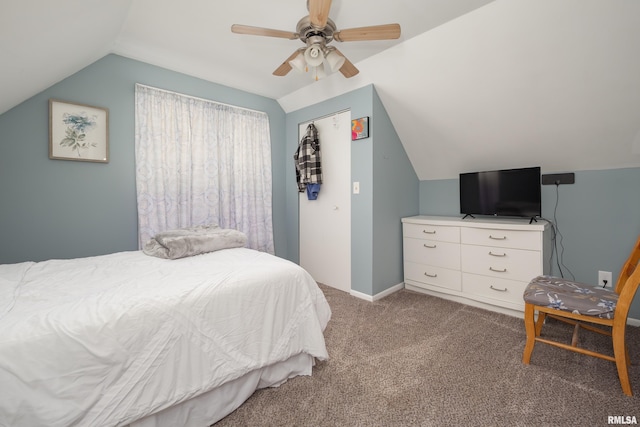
x: 307, y: 160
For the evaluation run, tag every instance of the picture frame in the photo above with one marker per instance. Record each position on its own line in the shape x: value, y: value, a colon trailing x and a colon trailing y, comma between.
x: 78, y: 132
x: 360, y: 128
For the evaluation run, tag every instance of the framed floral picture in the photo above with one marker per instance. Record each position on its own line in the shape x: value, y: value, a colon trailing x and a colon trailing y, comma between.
x: 78, y: 132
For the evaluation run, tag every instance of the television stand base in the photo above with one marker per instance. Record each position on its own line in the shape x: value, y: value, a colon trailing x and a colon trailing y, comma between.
x: 468, y: 215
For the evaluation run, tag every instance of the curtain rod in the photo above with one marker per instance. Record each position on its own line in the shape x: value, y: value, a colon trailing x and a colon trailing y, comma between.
x: 198, y: 98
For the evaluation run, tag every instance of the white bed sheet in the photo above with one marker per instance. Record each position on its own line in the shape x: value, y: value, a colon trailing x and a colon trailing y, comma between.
x: 107, y: 340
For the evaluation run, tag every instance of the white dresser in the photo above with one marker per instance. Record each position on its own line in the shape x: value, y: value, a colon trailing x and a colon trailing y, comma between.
x: 481, y: 262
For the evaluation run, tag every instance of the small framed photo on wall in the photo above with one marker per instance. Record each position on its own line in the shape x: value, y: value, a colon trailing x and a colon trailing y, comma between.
x: 78, y: 132
x: 360, y: 128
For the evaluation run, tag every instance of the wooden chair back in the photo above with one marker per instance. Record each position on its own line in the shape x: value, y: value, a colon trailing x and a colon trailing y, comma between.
x: 628, y: 282
x: 628, y: 268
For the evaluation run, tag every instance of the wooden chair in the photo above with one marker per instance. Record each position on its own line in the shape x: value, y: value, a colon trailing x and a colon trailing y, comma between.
x: 584, y: 306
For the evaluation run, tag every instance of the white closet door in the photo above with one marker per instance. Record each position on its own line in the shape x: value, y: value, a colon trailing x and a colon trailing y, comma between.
x: 325, y: 223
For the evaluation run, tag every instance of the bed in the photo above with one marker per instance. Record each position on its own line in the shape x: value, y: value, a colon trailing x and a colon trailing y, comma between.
x: 129, y: 339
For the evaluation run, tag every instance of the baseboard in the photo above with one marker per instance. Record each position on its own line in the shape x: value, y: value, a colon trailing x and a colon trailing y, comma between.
x: 480, y: 304
x: 400, y: 286
x: 377, y: 296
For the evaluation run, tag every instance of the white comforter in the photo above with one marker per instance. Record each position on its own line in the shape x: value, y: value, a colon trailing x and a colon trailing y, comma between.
x: 103, y: 341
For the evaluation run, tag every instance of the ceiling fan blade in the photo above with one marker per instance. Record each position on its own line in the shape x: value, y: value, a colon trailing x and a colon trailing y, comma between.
x: 376, y: 32
x: 347, y: 69
x: 319, y: 12
x: 285, y: 67
x: 258, y: 31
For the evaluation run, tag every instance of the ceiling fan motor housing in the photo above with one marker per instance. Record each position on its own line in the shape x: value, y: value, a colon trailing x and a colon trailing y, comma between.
x: 310, y: 34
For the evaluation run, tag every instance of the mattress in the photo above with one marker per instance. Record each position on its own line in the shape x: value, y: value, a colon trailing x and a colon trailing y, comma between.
x: 108, y: 340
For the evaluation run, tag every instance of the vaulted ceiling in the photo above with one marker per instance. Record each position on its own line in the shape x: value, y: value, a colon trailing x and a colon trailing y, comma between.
x: 44, y: 41
x: 470, y: 84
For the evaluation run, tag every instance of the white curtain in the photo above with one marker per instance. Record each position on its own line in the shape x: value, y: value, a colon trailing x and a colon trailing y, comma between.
x: 201, y: 162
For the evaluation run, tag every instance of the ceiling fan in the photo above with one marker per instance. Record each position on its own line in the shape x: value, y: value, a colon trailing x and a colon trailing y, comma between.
x: 316, y: 31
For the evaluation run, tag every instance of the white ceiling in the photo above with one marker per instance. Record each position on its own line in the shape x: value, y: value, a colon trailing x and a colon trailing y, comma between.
x: 515, y: 83
x: 470, y: 85
x: 44, y: 41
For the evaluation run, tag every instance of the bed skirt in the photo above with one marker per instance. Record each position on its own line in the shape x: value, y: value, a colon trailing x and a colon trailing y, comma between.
x: 210, y: 407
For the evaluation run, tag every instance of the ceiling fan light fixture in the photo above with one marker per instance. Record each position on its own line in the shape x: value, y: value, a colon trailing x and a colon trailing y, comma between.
x: 316, y: 30
x: 299, y: 63
x: 335, y: 60
x: 313, y: 55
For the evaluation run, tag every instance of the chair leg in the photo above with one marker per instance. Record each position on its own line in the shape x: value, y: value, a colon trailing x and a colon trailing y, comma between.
x: 574, y: 337
x: 622, y: 359
x: 530, y: 328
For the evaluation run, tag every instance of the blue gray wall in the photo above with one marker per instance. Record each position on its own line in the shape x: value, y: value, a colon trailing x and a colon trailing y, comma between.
x: 359, y: 102
x: 388, y: 191
x: 598, y: 218
x: 395, y: 186
x: 65, y: 209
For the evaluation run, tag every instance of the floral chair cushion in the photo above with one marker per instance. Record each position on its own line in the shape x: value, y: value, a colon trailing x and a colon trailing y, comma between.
x: 575, y: 297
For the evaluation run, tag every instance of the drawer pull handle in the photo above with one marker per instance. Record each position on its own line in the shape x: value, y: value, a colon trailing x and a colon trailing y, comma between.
x: 429, y: 246
x: 499, y: 290
x: 500, y: 255
x: 504, y: 270
x: 429, y: 232
x: 497, y: 238
x: 430, y: 275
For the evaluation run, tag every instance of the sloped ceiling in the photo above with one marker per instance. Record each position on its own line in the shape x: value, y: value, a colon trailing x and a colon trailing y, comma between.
x: 470, y: 85
x: 550, y: 83
x: 44, y: 41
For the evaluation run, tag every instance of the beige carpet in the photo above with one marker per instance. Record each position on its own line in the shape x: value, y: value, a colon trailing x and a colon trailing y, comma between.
x: 416, y: 360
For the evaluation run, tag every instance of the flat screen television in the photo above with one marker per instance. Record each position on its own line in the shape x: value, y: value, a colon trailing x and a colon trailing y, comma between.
x: 508, y: 192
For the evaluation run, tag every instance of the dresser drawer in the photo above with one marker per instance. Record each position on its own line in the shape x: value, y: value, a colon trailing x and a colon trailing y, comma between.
x: 440, y: 233
x: 503, y: 290
x: 431, y: 252
x: 504, y: 263
x: 503, y: 238
x: 431, y: 275
x: 488, y: 262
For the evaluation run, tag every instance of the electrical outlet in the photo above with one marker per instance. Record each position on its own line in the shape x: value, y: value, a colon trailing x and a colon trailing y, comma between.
x: 604, y: 279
